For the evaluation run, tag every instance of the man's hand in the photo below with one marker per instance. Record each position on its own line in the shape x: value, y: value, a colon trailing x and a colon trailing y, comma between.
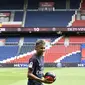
x: 45, y: 80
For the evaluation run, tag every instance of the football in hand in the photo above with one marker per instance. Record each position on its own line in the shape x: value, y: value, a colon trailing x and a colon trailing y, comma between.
x: 50, y: 76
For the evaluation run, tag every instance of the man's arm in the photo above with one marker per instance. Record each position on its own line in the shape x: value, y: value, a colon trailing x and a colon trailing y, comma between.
x: 32, y: 76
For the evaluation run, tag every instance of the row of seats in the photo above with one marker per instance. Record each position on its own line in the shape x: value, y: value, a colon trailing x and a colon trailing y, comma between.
x: 45, y: 19
x: 8, y: 52
x: 41, y: 19
x: 29, y: 39
x: 48, y: 19
x: 54, y: 54
x: 72, y: 58
x: 79, y: 21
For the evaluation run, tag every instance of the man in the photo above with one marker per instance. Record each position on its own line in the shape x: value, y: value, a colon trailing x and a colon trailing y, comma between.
x: 36, y: 65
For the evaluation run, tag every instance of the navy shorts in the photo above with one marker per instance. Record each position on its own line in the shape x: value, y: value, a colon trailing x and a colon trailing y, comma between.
x: 33, y: 83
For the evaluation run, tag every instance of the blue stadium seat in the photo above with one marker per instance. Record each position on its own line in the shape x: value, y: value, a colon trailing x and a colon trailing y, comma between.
x: 74, y: 58
x: 35, y: 38
x: 12, y: 39
x: 18, y: 16
x: 8, y: 52
x: 26, y: 48
x: 48, y: 19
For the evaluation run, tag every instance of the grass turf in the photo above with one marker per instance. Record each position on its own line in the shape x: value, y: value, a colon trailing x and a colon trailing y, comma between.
x: 65, y: 76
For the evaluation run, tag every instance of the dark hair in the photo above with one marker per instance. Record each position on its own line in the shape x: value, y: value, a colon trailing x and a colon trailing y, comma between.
x: 40, y: 42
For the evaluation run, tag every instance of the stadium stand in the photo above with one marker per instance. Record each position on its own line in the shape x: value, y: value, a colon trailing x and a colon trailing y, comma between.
x: 79, y: 23
x: 30, y: 39
x: 74, y: 58
x: 7, y: 52
x: 12, y: 39
x: 18, y: 16
x: 58, y: 18
x: 48, y: 19
x: 57, y: 53
x: 60, y: 53
x: 83, y: 53
x: 82, y: 6
x: 79, y: 17
x: 77, y: 39
x: 26, y: 48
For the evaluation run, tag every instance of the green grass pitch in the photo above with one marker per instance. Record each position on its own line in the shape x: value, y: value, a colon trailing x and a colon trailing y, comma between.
x: 65, y: 76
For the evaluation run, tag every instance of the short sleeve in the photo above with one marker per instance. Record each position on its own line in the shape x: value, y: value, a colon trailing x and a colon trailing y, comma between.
x: 31, y: 64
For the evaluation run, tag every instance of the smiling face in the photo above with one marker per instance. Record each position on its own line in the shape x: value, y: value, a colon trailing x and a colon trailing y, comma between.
x: 40, y: 47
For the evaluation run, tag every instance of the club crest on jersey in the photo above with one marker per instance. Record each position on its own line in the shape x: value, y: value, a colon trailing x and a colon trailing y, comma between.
x: 30, y: 65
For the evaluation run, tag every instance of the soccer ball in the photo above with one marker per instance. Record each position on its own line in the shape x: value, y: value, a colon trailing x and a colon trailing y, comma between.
x: 50, y: 76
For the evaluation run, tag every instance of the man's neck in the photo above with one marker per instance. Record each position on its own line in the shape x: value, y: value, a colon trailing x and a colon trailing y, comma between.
x: 37, y: 54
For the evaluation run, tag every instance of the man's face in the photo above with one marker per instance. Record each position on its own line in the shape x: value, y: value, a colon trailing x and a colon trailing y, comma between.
x: 40, y: 48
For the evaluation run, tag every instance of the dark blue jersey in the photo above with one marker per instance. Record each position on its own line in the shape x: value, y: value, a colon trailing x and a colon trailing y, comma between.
x: 36, y: 64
